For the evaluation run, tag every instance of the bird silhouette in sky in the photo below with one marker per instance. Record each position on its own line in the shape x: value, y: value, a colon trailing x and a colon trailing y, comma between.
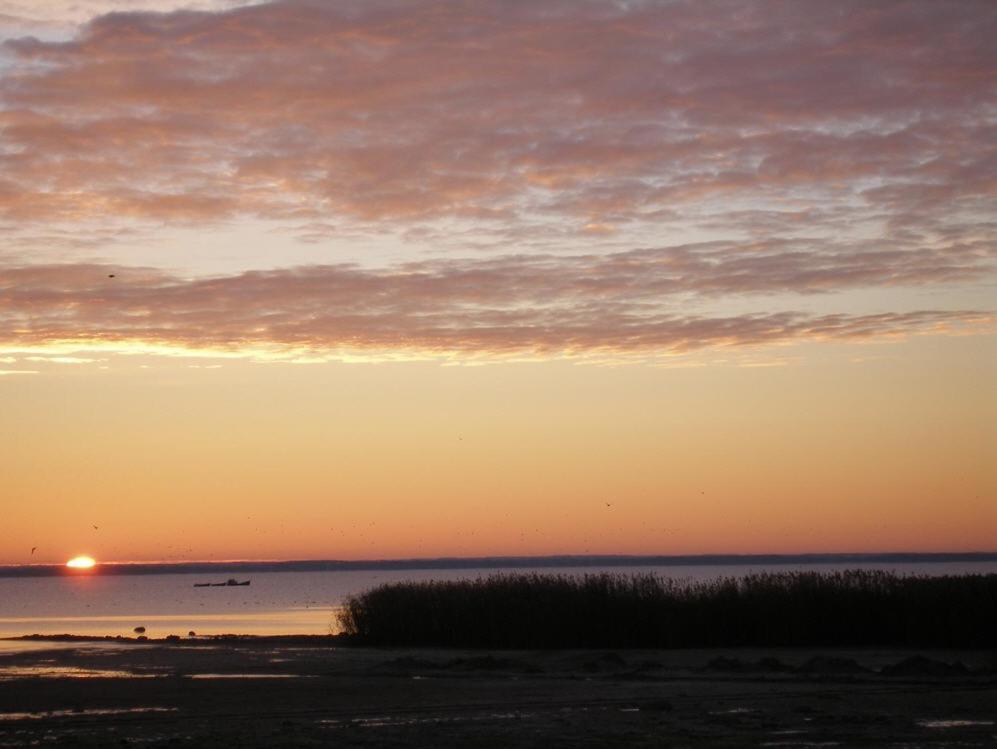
x: 96, y: 528
x: 33, y: 548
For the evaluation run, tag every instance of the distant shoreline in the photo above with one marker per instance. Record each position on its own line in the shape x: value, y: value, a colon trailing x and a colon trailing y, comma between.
x: 498, y: 563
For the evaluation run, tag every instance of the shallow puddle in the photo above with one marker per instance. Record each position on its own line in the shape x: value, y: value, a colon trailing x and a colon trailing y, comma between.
x: 7, y: 673
x: 249, y: 676
x: 953, y: 723
x: 388, y: 720
x: 84, y: 713
x: 15, y: 646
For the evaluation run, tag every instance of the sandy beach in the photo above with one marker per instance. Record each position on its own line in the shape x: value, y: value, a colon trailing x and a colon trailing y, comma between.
x: 313, y: 691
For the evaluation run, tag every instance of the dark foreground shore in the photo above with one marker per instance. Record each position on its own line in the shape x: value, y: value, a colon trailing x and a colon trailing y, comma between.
x: 284, y: 692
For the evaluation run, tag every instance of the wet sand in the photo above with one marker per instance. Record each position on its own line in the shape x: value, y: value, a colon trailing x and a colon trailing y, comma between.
x: 312, y: 691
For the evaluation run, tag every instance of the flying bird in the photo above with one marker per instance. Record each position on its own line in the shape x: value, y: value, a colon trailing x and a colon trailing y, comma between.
x: 110, y: 275
x: 33, y: 549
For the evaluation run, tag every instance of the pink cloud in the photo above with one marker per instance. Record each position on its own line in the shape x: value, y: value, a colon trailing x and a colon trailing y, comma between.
x: 831, y: 146
x: 386, y: 110
x: 626, y: 303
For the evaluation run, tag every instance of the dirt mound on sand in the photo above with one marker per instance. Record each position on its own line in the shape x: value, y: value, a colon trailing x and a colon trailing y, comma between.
x: 920, y: 665
x: 607, y: 661
x: 413, y: 664
x: 829, y: 664
x: 762, y: 665
x: 723, y: 663
x: 406, y: 664
x: 771, y: 664
x: 491, y: 663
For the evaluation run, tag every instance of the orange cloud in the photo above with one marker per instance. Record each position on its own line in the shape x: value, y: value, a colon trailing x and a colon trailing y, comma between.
x: 602, y: 113
x: 549, y: 305
x: 834, y: 146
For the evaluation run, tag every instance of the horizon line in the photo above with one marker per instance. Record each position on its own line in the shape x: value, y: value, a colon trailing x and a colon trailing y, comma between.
x: 489, y: 562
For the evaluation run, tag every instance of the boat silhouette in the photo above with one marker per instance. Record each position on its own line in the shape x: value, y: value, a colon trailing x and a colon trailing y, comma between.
x: 231, y: 582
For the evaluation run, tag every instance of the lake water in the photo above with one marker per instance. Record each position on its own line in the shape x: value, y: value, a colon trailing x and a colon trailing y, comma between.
x: 281, y: 602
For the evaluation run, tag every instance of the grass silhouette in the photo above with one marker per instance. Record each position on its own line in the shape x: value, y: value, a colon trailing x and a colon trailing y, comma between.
x: 851, y: 608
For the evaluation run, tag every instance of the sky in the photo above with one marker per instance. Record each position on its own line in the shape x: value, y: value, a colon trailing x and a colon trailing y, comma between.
x: 303, y: 279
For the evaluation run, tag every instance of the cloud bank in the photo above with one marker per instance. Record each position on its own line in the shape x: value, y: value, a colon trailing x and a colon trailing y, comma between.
x: 629, y: 303
x: 600, y: 113
x: 821, y: 147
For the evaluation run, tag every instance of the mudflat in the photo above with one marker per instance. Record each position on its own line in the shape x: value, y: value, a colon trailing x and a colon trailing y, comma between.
x: 313, y: 691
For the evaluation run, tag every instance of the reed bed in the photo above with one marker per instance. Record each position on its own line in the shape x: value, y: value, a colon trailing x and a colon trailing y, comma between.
x: 854, y: 608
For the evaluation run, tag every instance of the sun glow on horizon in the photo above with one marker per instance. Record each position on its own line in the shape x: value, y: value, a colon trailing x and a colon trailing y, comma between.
x: 439, y: 310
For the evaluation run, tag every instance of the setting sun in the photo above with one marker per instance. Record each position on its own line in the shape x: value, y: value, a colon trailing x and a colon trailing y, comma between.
x: 81, y: 563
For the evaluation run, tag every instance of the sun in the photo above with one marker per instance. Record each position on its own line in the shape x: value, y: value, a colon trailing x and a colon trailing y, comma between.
x: 81, y: 563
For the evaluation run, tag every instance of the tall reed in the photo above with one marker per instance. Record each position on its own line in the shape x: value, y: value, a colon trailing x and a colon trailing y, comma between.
x: 850, y: 608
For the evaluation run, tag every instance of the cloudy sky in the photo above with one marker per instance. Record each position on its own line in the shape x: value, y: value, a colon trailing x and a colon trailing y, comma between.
x: 390, y: 278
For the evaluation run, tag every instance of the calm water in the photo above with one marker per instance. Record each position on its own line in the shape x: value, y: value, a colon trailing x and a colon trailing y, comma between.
x: 276, y: 602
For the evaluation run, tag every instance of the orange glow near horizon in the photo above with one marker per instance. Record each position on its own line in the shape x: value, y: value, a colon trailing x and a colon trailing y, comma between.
x: 534, y: 288
x: 417, y: 460
x: 81, y: 563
